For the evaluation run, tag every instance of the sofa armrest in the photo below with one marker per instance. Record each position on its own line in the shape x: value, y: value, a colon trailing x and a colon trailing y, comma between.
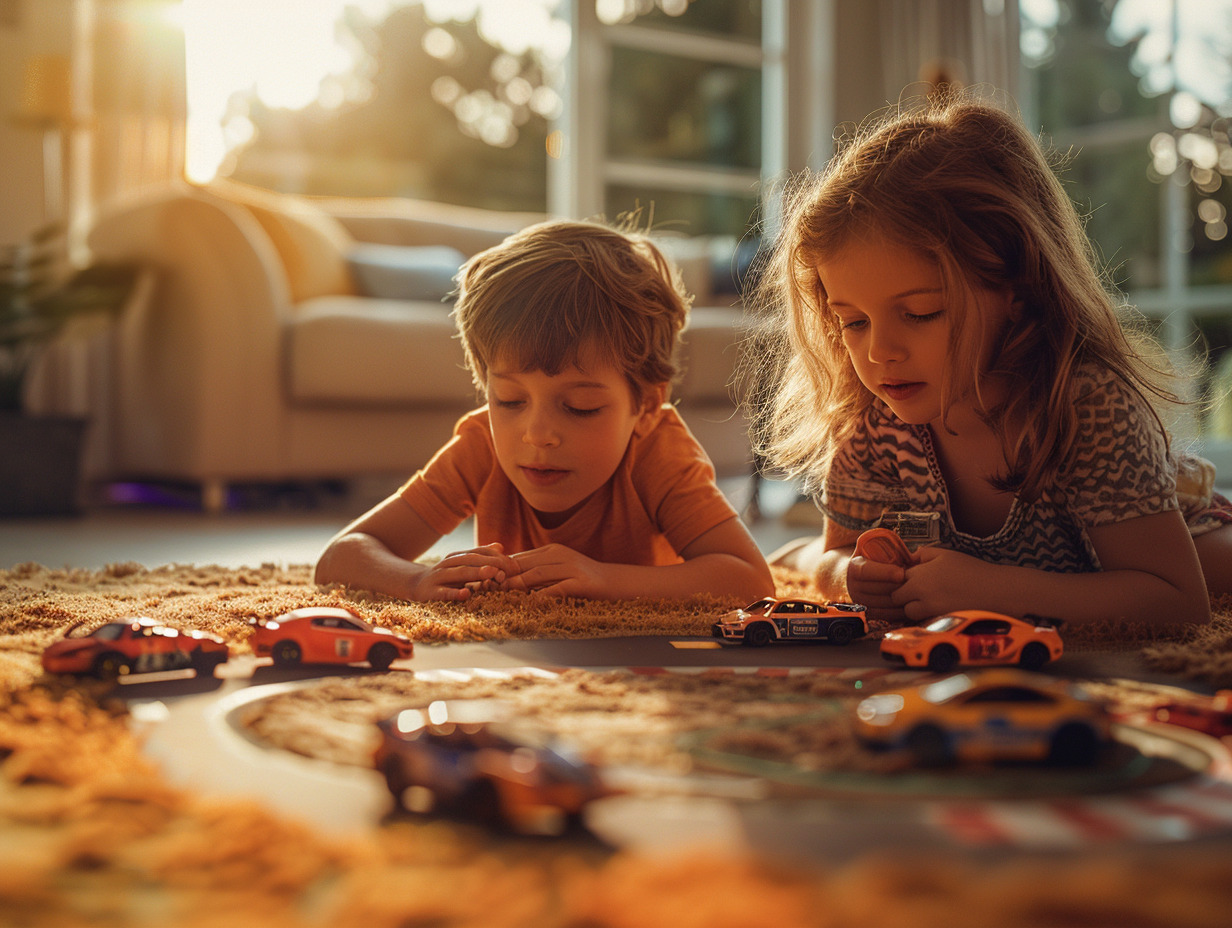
x: 198, y: 379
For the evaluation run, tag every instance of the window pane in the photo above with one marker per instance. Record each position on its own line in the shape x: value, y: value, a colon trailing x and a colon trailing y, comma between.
x: 1111, y: 185
x: 687, y: 213
x: 711, y: 115
x: 733, y: 19
x: 1211, y: 258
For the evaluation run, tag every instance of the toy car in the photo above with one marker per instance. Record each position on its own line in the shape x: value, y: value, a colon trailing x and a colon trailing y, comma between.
x: 987, y: 715
x: 973, y: 637
x: 136, y: 645
x: 884, y: 545
x: 326, y: 635
x: 470, y: 758
x: 770, y: 619
x: 1212, y: 715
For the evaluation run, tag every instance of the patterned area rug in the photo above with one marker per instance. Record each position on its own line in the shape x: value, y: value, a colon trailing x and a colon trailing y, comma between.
x: 92, y: 833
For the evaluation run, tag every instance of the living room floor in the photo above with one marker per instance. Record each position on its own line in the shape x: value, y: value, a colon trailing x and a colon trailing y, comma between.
x: 281, y: 525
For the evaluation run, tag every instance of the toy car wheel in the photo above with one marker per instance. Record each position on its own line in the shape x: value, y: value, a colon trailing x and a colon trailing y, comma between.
x: 929, y: 745
x: 394, y: 780
x: 482, y: 803
x: 943, y: 658
x: 111, y: 665
x: 1074, y: 744
x: 287, y: 653
x: 205, y: 663
x: 841, y: 633
x: 1034, y: 656
x: 757, y: 636
x: 381, y: 655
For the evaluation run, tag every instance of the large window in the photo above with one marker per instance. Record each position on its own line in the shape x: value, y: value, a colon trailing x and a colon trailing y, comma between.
x: 657, y: 105
x: 1141, y: 92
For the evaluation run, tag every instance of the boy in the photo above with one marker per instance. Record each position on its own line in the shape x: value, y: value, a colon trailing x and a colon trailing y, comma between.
x: 582, y: 480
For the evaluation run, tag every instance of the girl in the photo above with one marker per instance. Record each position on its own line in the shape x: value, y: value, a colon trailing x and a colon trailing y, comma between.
x: 947, y: 348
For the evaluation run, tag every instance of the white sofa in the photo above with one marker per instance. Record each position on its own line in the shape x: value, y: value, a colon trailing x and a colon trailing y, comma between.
x: 267, y: 347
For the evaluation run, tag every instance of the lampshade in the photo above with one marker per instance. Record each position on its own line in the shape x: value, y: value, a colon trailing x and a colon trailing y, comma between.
x: 46, y: 92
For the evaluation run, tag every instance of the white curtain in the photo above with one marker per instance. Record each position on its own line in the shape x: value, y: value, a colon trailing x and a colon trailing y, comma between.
x: 137, y: 129
x: 971, y: 42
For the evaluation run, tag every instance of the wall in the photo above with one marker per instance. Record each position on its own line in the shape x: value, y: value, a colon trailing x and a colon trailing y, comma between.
x: 27, y: 27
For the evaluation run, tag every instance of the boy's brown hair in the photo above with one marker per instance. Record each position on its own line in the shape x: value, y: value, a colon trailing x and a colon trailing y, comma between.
x: 560, y: 292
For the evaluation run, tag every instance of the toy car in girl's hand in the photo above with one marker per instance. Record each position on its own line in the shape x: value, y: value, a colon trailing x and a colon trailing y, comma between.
x: 973, y: 637
x: 770, y: 619
x: 885, y: 546
x: 136, y: 645
x: 987, y: 715
x: 326, y: 635
x: 471, y: 758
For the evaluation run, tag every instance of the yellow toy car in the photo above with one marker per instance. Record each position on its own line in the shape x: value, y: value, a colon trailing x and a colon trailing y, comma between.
x: 972, y: 637
x: 987, y: 715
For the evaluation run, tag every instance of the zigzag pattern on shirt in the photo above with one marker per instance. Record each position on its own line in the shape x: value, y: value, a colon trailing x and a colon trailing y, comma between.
x: 1120, y: 469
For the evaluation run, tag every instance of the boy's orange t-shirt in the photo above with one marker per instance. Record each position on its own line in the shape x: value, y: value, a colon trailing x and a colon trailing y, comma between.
x: 661, y: 498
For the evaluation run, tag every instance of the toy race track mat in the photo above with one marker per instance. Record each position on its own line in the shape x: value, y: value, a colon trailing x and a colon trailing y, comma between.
x: 759, y: 759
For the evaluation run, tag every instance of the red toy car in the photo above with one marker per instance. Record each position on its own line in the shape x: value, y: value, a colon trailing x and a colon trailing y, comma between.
x: 136, y: 645
x: 767, y: 620
x: 1212, y: 715
x: 326, y: 635
x: 974, y: 637
x: 468, y: 757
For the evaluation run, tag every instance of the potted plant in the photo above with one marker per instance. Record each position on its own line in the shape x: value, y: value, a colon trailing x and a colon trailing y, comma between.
x: 40, y: 295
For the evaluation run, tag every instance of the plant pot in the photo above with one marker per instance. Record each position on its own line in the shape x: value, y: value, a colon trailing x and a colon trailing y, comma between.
x: 40, y: 464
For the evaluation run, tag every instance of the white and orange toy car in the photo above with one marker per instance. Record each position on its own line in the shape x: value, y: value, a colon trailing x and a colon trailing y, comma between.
x: 973, y: 637
x: 327, y: 635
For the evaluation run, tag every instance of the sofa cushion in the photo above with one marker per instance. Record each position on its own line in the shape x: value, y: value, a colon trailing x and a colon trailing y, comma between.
x: 380, y: 352
x: 312, y: 244
x: 710, y: 353
x: 404, y: 272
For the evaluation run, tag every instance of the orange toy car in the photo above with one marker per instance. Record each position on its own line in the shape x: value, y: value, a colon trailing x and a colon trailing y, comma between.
x: 974, y: 637
x: 987, y: 715
x: 884, y: 545
x: 327, y: 635
x: 136, y: 645
x: 770, y: 619
x: 469, y: 757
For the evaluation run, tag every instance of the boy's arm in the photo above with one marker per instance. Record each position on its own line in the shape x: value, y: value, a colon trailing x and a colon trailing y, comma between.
x: 724, y: 561
x: 378, y: 550
x: 1150, y: 573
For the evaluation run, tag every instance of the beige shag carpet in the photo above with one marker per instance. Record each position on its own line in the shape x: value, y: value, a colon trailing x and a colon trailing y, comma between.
x: 92, y: 834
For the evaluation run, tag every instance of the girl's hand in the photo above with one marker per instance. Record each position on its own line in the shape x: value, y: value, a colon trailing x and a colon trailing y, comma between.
x: 557, y: 570
x: 942, y: 581
x: 873, y: 585
x: 460, y: 574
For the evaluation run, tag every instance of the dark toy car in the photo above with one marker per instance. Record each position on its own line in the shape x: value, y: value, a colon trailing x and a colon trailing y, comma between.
x: 987, y: 715
x: 469, y: 758
x: 973, y: 637
x: 136, y: 645
x: 326, y: 635
x: 770, y: 619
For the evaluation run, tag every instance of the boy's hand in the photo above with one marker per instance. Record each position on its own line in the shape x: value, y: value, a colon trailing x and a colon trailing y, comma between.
x: 873, y: 584
x: 556, y: 570
x: 460, y: 574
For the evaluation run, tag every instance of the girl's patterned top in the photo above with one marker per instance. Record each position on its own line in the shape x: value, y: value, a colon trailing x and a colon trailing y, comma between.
x: 1120, y: 469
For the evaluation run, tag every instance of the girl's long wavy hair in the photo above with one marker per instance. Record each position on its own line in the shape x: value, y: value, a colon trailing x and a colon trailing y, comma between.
x: 963, y: 183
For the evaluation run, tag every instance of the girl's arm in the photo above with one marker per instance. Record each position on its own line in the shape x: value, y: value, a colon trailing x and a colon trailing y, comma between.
x: 378, y: 550
x: 1150, y: 573
x: 724, y: 561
